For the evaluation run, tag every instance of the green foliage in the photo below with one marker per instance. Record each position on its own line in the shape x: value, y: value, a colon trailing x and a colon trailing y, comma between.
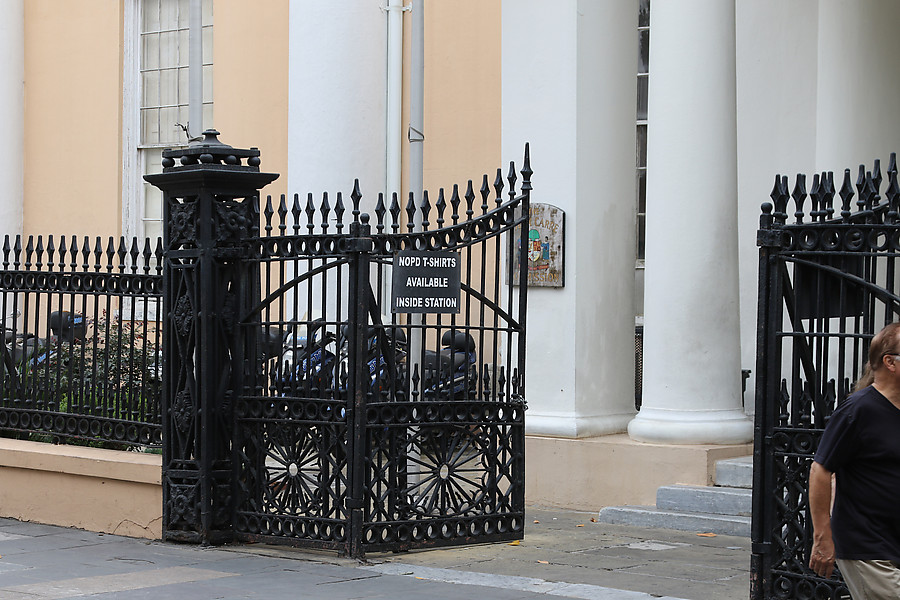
x: 115, y: 372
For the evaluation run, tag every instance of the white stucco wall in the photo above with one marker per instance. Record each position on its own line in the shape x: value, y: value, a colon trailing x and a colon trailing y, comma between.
x: 12, y: 116
x: 858, y: 83
x: 567, y: 91
x: 811, y: 98
x: 776, y: 127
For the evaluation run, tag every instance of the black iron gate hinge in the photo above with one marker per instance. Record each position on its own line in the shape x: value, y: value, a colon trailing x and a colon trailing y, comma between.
x: 362, y: 244
x: 761, y: 548
x: 770, y: 238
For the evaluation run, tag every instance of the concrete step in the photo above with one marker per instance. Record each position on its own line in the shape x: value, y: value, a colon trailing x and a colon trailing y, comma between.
x: 649, y: 516
x: 735, y: 472
x: 730, y: 501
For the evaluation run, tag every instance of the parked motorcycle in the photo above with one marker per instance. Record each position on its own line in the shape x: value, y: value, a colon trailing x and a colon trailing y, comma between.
x: 307, y: 361
x: 452, y: 372
x: 67, y: 326
x: 23, y: 349
x: 320, y: 361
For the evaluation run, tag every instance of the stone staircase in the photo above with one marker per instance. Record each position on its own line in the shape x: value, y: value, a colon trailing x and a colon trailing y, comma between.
x: 723, y: 509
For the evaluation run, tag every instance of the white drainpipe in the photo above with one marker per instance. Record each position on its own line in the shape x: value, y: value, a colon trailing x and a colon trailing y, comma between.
x: 12, y: 117
x: 416, y: 135
x: 394, y: 101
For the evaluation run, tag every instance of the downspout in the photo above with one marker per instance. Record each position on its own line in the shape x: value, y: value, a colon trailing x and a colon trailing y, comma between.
x: 393, y: 108
x: 12, y: 119
x: 394, y: 100
x: 416, y: 133
x: 416, y: 164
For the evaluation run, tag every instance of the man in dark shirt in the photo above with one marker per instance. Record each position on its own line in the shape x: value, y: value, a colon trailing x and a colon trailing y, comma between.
x: 861, y: 447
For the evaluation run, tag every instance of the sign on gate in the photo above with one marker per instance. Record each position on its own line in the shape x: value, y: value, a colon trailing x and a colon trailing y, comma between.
x: 425, y: 282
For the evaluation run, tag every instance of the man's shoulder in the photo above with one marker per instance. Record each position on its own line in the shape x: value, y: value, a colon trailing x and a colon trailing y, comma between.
x: 865, y: 406
x: 846, y: 412
x: 864, y: 398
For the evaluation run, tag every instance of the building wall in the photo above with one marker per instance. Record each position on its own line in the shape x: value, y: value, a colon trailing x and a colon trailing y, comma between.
x: 73, y: 104
x: 73, y: 91
x: 462, y: 93
x: 776, y: 126
x: 567, y: 90
x: 858, y: 83
x: 811, y: 98
x: 816, y: 83
x: 250, y: 81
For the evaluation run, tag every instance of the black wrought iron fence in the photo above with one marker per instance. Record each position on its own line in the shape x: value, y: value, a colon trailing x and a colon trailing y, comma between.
x: 436, y: 457
x: 296, y: 398
x: 80, y: 358
x: 304, y: 403
x: 829, y: 279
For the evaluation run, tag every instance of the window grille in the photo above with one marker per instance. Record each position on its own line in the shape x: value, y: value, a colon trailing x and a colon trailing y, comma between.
x: 164, y: 98
x: 641, y: 149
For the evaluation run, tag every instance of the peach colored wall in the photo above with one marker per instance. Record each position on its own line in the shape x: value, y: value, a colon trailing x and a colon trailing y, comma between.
x: 250, y: 81
x: 73, y: 104
x: 462, y: 92
x: 614, y: 470
x: 88, y: 488
x: 462, y: 97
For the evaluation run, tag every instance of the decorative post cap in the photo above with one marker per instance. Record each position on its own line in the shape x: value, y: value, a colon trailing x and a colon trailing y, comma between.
x: 210, y: 153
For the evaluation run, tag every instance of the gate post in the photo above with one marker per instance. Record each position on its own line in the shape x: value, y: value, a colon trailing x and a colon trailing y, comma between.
x: 359, y: 246
x: 769, y: 240
x: 210, y: 205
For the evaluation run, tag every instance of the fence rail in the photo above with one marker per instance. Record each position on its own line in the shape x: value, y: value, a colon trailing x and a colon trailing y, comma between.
x: 80, y: 356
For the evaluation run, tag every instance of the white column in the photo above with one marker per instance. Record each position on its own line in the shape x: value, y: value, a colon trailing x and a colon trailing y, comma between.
x: 12, y: 116
x: 692, y: 370
x: 337, y: 88
x: 569, y: 89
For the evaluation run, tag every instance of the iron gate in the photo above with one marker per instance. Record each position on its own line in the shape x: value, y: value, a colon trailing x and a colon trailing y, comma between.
x: 329, y: 421
x: 828, y: 281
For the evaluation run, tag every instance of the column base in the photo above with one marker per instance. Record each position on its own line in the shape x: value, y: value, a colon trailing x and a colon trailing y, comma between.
x: 661, y: 426
x: 576, y: 426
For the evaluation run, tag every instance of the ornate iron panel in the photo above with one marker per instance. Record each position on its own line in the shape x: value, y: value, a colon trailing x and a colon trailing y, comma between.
x: 295, y: 408
x: 366, y: 431
x: 291, y: 434
x: 79, y: 358
x: 828, y: 282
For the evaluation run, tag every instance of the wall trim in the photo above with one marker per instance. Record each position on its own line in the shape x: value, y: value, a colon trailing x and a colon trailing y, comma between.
x: 107, y: 491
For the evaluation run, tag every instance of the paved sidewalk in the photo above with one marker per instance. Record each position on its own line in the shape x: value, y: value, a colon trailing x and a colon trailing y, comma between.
x: 563, y: 555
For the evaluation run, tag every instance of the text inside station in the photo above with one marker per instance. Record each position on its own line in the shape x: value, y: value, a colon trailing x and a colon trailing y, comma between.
x: 420, y: 302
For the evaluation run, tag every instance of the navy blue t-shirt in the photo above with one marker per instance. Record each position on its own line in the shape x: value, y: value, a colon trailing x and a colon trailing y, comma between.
x: 861, y: 445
